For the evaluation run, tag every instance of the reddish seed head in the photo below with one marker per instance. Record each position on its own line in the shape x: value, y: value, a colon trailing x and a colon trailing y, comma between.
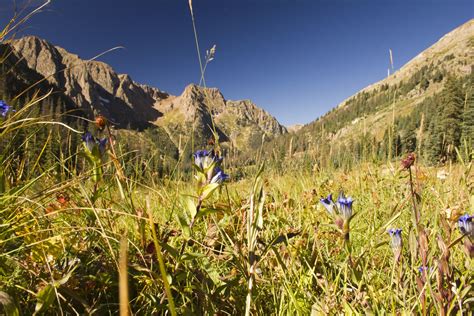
x: 100, y: 121
x: 409, y: 161
x: 62, y: 198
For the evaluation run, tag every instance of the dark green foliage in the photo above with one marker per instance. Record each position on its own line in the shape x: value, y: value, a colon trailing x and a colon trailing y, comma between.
x: 447, y: 126
x: 452, y: 98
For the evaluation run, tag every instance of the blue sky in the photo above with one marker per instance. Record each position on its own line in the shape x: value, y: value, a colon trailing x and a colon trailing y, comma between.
x: 297, y: 59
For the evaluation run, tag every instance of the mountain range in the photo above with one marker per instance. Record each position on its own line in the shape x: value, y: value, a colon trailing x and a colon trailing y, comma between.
x: 199, y: 113
x: 95, y: 88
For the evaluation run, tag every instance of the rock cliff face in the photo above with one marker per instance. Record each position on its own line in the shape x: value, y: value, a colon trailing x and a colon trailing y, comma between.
x: 91, y: 85
x: 240, y: 123
x: 96, y: 88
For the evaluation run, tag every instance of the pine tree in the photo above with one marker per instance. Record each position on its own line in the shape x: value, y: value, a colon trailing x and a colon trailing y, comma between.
x: 451, y: 118
x: 433, y: 146
x: 409, y: 138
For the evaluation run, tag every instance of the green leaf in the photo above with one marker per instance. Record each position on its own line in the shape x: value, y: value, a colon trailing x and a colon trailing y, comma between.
x: 210, y: 168
x: 8, y: 305
x: 348, y: 310
x: 184, y: 226
x: 198, y: 169
x: 261, y: 203
x: 208, y: 189
x: 97, y: 175
x: 190, y: 206
x: 45, y: 298
x: 172, y: 251
x: 206, y: 211
x: 96, y: 152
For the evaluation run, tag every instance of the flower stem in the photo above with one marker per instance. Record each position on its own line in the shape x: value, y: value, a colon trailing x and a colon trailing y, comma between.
x: 413, y: 197
x: 191, y: 224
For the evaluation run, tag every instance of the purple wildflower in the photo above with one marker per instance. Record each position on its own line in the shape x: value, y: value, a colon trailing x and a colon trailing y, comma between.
x: 4, y: 108
x: 466, y: 226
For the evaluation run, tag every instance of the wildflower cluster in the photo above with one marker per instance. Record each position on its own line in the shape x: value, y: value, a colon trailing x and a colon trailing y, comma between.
x: 341, y: 211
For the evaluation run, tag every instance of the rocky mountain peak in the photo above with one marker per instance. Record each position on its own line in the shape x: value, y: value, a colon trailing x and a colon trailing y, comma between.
x: 39, y: 55
x: 91, y: 85
x: 95, y: 87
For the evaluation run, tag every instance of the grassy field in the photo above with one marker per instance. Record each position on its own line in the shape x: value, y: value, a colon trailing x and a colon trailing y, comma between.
x: 101, y: 242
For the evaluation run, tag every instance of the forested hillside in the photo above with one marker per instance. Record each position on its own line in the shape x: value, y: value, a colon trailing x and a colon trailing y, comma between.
x: 426, y: 107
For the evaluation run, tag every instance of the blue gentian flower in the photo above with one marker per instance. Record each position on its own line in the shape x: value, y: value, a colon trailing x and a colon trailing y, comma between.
x: 89, y: 140
x: 328, y: 204
x: 219, y: 176
x: 203, y: 159
x: 199, y: 158
x: 344, y: 205
x: 4, y: 108
x: 208, y: 163
x: 466, y: 226
x: 95, y: 146
x: 396, y: 234
x: 102, y: 143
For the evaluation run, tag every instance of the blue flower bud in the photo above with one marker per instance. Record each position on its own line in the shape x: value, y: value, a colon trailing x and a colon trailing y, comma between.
x: 344, y: 205
x: 219, y: 176
x: 4, y: 108
x: 102, y: 143
x: 89, y: 140
x: 396, y: 235
x: 466, y: 226
x: 328, y: 204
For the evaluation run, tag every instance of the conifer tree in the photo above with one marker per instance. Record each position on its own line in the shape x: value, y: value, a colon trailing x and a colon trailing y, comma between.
x: 451, y: 117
